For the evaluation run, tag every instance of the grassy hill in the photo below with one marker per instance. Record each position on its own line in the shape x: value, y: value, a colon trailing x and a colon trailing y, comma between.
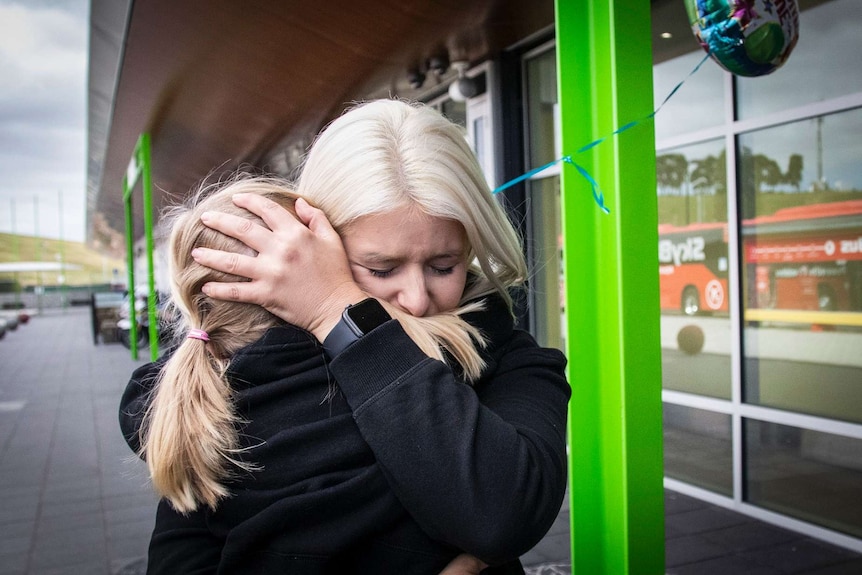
x: 95, y: 268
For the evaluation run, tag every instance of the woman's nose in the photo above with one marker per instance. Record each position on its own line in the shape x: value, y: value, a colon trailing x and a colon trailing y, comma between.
x: 413, y: 297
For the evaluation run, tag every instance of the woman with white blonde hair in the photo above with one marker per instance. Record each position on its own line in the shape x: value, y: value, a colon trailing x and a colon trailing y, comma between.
x: 380, y: 413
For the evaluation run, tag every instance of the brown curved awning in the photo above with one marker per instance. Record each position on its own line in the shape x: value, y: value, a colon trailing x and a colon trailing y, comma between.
x: 220, y: 83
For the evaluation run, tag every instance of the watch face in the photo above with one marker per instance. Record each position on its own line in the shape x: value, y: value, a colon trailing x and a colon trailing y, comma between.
x: 367, y: 314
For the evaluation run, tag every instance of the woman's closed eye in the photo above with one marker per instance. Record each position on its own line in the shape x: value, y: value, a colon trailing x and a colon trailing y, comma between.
x: 380, y: 273
x: 436, y: 270
x: 443, y: 271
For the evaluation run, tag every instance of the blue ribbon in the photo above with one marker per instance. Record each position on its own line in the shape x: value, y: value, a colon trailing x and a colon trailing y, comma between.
x: 597, y: 192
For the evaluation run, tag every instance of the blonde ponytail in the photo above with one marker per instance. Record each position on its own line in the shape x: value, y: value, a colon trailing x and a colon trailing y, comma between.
x: 190, y: 436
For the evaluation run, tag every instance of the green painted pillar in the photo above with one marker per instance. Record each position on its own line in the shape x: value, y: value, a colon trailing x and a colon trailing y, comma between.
x: 144, y: 159
x: 604, y: 63
x: 130, y: 259
x: 140, y: 168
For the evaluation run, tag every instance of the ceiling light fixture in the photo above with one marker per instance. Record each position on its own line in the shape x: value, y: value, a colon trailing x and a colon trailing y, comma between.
x: 438, y: 64
x: 416, y: 78
x: 464, y: 87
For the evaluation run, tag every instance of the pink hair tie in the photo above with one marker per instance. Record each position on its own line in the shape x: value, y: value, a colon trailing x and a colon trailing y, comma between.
x: 198, y: 334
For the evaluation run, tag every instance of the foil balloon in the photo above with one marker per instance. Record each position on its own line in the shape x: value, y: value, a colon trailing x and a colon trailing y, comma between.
x: 746, y: 37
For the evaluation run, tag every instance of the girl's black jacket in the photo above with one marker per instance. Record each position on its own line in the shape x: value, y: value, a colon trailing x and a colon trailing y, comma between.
x: 380, y: 461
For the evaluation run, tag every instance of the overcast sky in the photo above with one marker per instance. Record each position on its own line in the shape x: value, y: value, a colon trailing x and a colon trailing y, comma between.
x: 43, y: 71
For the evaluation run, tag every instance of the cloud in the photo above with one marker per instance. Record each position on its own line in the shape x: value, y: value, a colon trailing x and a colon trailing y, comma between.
x: 43, y: 63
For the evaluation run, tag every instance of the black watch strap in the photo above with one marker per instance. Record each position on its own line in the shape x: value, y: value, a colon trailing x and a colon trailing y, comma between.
x: 356, y: 320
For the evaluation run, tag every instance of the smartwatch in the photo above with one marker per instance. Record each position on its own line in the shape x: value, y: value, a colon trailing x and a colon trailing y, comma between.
x: 356, y: 320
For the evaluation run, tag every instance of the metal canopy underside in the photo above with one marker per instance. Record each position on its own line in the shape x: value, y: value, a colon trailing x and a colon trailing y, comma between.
x: 222, y: 84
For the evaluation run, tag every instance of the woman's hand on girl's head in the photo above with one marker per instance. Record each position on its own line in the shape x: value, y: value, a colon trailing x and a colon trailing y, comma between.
x: 300, y: 273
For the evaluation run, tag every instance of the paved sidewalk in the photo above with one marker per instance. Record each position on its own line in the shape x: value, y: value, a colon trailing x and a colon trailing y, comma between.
x: 73, y: 499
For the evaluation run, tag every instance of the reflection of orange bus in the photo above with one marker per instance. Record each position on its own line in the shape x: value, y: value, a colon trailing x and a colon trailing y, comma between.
x: 805, y: 258
x: 693, y: 268
x: 799, y: 258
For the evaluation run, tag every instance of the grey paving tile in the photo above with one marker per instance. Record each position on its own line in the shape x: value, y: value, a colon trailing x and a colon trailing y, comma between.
x: 678, y: 503
x: 16, y: 509
x: 800, y: 556
x: 672, y: 532
x: 725, y: 565
x: 20, y: 491
x: 142, y: 500
x: 53, y: 524
x: 146, y: 512
x: 690, y: 549
x: 13, y: 563
x: 705, y: 519
x: 136, y: 566
x: 73, y: 568
x: 128, y: 549
x: 70, y: 508
x: 751, y: 535
x: 561, y: 524
x: 853, y: 567
x: 19, y: 544
x: 553, y: 548
x: 126, y: 486
x: 24, y: 459
x: 81, y: 489
x: 71, y: 547
x: 141, y: 529
x: 551, y: 568
x: 21, y: 529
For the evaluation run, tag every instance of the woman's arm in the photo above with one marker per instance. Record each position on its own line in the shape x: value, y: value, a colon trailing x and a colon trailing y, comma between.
x: 484, y: 469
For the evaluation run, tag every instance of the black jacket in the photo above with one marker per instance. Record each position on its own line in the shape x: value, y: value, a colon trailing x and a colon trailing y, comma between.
x: 397, y: 468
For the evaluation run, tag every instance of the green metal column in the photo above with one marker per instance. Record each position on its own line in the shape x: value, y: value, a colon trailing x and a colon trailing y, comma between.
x: 140, y: 167
x: 130, y: 261
x: 604, y: 63
x: 143, y: 154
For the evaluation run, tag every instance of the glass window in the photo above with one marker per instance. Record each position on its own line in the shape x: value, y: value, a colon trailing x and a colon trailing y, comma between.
x: 479, y: 140
x: 799, y: 198
x: 542, y: 120
x: 802, y: 265
x: 698, y: 104
x: 807, y: 162
x: 544, y: 223
x: 455, y: 111
x: 824, y: 64
x: 693, y: 268
x: 546, y: 261
x: 698, y: 447
x: 811, y: 475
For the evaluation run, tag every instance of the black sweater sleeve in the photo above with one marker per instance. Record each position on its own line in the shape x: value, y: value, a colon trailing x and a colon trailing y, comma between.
x: 135, y: 399
x: 182, y: 544
x: 483, y: 468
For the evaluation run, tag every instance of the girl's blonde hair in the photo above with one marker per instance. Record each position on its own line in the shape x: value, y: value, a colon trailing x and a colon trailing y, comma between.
x: 190, y: 436
x: 190, y: 433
